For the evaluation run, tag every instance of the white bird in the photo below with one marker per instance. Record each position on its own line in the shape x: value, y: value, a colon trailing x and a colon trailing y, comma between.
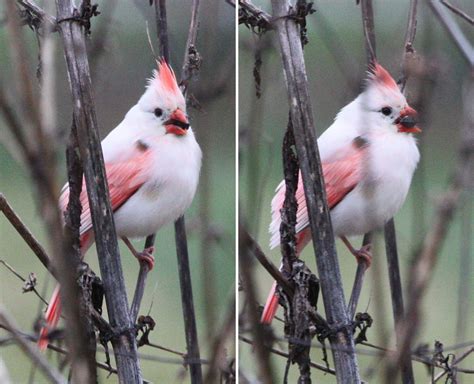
x: 368, y: 158
x: 152, y: 163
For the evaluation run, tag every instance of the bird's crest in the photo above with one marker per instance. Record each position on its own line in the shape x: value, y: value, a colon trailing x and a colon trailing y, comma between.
x: 165, y: 85
x: 379, y: 75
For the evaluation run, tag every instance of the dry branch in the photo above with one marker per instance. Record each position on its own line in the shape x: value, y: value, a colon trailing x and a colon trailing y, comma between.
x: 50, y: 372
x: 25, y: 233
x: 454, y: 31
x: 458, y: 11
x: 320, y: 223
x: 73, y: 35
x: 259, y: 333
x: 286, y: 355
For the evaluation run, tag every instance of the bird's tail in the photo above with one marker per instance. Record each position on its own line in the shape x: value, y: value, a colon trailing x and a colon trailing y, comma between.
x: 52, y: 317
x: 271, y: 305
x: 53, y: 312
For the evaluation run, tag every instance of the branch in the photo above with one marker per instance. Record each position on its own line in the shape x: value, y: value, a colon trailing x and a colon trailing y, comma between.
x: 315, y: 192
x: 50, y: 372
x: 259, y: 332
x: 25, y: 233
x: 255, y: 249
x: 124, y: 344
x: 454, y: 31
x: 455, y: 362
x: 187, y: 301
x: 39, y: 13
x: 358, y: 281
x: 218, y: 355
x: 369, y: 29
x: 162, y: 29
x: 253, y: 17
x: 283, y: 354
x: 458, y: 12
x: 192, y: 59
x: 409, y: 51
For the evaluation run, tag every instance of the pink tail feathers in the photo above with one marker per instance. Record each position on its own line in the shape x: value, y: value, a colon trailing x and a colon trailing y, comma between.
x: 52, y: 318
x: 271, y: 306
x: 53, y: 312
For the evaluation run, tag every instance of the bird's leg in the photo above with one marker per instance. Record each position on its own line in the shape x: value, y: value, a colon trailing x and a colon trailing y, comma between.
x: 146, y: 256
x: 363, y: 254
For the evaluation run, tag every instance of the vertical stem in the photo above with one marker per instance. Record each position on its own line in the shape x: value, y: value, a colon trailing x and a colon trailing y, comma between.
x: 341, y: 340
x: 162, y: 29
x: 369, y: 29
x: 397, y: 294
x: 260, y: 337
x: 465, y: 268
x: 187, y: 301
x: 358, y: 280
x: 124, y: 343
x: 180, y: 229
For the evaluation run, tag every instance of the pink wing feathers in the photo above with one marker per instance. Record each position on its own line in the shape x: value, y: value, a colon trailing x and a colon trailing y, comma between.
x: 124, y: 179
x: 340, y: 177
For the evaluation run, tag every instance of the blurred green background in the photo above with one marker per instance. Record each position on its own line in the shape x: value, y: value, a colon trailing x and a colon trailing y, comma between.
x: 336, y: 63
x: 119, y: 74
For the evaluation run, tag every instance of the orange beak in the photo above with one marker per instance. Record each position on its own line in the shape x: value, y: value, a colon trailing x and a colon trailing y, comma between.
x: 177, y: 123
x: 407, y: 120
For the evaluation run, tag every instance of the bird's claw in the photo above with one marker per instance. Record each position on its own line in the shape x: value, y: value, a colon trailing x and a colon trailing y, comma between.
x: 146, y: 257
x: 364, y: 255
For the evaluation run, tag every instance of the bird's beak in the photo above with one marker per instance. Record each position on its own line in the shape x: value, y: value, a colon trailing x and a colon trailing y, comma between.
x: 407, y: 120
x: 177, y: 123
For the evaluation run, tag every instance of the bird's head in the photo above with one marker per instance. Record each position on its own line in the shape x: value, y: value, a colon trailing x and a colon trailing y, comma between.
x: 165, y: 102
x: 386, y: 104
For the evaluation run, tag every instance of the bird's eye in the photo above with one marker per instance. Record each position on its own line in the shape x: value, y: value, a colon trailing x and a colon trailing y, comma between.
x: 158, y: 112
x: 386, y: 111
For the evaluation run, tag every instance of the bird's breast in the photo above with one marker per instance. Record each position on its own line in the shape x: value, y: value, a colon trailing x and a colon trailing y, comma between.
x: 168, y: 191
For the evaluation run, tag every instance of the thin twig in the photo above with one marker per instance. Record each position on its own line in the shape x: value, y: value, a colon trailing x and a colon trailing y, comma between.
x: 218, y: 355
x: 284, y: 354
x: 455, y: 362
x: 246, y: 262
x: 192, y: 59
x: 458, y: 11
x: 255, y: 249
x: 454, y: 31
x: 369, y: 29
x: 31, y: 287
x: 25, y: 233
x: 358, y: 281
x: 49, y: 371
x: 409, y: 51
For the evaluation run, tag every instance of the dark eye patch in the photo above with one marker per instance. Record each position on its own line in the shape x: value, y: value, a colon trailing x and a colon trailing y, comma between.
x: 158, y: 112
x: 386, y: 111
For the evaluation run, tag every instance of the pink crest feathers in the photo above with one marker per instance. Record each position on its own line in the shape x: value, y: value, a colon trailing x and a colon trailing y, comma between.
x: 167, y: 77
x: 164, y: 85
x: 380, y: 75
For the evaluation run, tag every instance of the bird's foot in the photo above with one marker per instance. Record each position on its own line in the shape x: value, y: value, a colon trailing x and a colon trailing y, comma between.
x: 146, y: 257
x: 364, y: 254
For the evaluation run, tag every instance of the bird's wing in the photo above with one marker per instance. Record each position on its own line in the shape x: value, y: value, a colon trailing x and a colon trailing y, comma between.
x: 123, y: 178
x: 340, y: 176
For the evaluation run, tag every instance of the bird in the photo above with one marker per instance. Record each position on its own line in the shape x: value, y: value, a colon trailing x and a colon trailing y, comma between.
x: 152, y: 164
x: 368, y: 158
